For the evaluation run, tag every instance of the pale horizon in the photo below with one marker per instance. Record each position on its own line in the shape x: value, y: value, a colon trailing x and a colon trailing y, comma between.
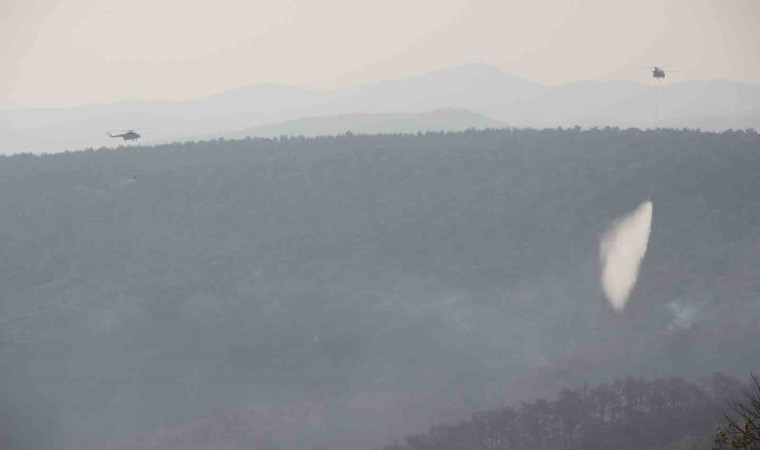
x: 648, y: 82
x: 72, y: 53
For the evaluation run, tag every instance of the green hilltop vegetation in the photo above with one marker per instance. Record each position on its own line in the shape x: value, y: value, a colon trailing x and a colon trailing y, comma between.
x: 387, y: 282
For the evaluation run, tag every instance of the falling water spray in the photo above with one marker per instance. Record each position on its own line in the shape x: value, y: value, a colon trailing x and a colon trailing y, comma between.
x: 621, y: 250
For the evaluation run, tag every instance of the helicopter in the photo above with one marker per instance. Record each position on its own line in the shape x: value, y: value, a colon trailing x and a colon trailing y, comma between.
x: 129, y: 135
x: 657, y: 72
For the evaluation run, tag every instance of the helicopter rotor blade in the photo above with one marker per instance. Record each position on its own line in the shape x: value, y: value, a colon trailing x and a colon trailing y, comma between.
x: 132, y: 129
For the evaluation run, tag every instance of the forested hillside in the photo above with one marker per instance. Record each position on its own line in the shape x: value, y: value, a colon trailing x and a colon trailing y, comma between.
x: 667, y: 414
x: 374, y: 283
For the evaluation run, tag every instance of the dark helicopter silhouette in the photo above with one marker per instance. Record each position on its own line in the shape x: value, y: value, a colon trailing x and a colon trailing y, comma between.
x: 130, y: 135
x: 657, y: 72
x: 658, y: 75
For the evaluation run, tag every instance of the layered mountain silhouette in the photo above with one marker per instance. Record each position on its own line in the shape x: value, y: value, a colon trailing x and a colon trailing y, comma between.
x: 479, y: 88
x: 372, y: 123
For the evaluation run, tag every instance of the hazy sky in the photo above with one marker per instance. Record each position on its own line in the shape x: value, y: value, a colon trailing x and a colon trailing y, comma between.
x: 57, y: 53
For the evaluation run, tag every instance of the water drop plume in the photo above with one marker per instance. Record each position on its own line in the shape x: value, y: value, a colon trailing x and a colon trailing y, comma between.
x: 621, y: 250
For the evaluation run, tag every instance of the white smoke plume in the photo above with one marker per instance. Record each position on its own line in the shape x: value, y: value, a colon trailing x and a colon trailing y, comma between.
x: 684, y: 316
x: 621, y: 251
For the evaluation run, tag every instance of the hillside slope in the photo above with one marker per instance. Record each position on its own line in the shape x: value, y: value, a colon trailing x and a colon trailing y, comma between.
x: 421, y: 276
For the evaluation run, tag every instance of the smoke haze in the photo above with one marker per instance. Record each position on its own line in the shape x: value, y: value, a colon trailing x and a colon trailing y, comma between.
x: 621, y: 251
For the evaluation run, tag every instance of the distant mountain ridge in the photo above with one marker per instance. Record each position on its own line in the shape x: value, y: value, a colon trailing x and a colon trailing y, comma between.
x: 372, y: 123
x: 479, y: 88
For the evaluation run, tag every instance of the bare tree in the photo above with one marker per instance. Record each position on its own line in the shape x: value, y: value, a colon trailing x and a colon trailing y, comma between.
x: 742, y: 428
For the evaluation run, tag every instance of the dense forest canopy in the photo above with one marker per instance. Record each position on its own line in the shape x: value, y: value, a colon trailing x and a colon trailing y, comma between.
x: 666, y: 413
x: 143, y: 288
